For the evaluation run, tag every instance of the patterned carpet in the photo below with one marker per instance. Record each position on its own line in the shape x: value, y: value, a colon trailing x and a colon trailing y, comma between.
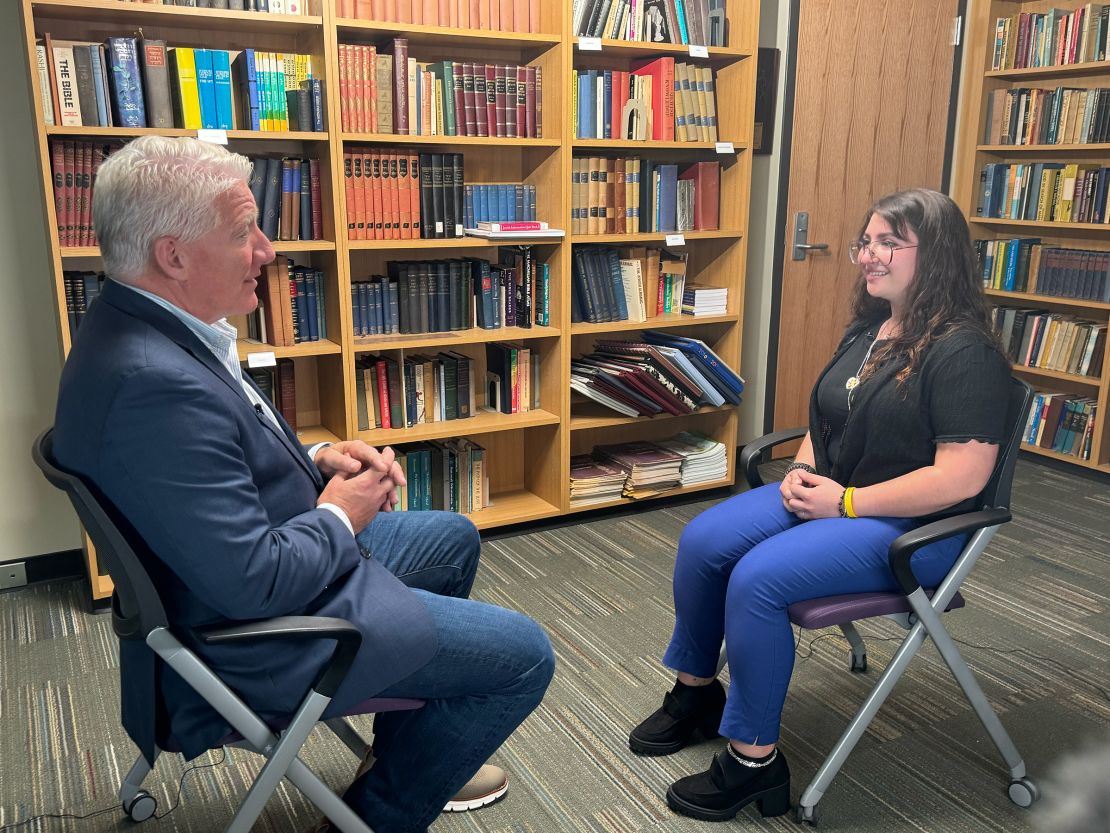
x: 1037, y: 610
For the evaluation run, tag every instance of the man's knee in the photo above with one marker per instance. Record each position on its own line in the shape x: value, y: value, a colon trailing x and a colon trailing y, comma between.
x: 532, y: 651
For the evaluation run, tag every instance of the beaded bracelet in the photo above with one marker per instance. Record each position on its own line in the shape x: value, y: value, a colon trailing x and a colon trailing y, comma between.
x: 802, y: 466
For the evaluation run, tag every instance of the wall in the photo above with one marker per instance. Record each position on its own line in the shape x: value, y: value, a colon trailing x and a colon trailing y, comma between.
x: 774, y: 27
x: 34, y: 517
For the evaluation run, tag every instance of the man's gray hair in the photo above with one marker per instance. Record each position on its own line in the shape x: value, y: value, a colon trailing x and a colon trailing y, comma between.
x: 155, y: 187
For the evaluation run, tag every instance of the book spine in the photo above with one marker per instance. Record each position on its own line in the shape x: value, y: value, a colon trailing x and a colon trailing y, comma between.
x: 128, y: 105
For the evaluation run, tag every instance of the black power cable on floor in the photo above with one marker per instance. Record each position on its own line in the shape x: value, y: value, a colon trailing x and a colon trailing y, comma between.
x: 115, y: 807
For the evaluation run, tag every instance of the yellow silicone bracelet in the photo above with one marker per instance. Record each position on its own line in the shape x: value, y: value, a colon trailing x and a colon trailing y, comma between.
x: 848, y: 508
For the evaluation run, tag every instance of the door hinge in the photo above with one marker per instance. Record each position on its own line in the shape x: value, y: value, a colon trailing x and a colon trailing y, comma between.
x: 957, y: 26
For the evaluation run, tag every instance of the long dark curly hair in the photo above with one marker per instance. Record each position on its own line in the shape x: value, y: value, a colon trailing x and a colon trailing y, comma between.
x: 946, y: 294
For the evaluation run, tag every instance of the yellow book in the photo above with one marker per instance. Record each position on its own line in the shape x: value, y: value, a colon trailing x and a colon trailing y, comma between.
x: 187, y: 93
x: 1067, y: 194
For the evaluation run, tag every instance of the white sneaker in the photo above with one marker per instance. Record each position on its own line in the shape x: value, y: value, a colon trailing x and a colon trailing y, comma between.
x: 489, y: 785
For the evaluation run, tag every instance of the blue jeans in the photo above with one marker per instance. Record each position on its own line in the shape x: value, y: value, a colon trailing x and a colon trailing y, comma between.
x: 741, y: 563
x: 490, y: 671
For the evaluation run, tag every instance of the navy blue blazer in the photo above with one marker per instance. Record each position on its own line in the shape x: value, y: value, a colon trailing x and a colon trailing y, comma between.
x: 226, y: 504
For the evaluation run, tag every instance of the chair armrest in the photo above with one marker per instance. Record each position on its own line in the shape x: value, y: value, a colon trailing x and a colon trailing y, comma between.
x: 905, y: 545
x: 347, y: 637
x: 753, y: 452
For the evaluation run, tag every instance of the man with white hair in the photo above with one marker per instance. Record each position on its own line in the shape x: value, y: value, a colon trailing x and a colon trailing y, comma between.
x: 242, y: 522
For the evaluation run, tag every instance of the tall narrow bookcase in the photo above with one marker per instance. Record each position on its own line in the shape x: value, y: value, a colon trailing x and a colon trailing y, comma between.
x: 980, y: 81
x: 527, y: 454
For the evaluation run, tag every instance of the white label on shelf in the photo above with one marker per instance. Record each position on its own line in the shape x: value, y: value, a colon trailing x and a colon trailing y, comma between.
x: 676, y: 239
x: 265, y: 359
x: 216, y: 137
x: 697, y: 51
x: 725, y: 147
x: 589, y: 44
x: 439, y: 227
x: 459, y: 230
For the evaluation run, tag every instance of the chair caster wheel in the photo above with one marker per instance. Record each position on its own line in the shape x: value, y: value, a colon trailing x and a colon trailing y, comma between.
x: 1023, y: 792
x: 857, y: 665
x: 141, y: 807
x: 807, y: 815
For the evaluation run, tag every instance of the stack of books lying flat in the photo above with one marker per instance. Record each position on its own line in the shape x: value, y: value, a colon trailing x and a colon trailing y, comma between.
x: 699, y: 300
x: 594, y: 482
x: 649, y: 468
x: 704, y: 460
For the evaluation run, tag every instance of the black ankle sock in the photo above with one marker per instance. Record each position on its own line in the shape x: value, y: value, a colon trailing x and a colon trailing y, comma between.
x: 680, y: 686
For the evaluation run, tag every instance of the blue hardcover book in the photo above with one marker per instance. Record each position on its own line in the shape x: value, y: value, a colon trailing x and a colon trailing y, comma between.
x: 680, y: 8
x: 545, y: 295
x: 221, y: 76
x: 518, y: 202
x: 300, y: 307
x: 607, y: 112
x: 1008, y: 279
x: 668, y: 197
x: 206, y: 86
x: 507, y: 209
x: 468, y: 206
x: 102, y: 98
x: 306, y: 200
x: 531, y: 191
x: 583, y: 106
x: 393, y: 294
x: 699, y: 350
x: 614, y: 265
x: 311, y: 312
x: 126, y: 87
x: 591, y: 103
x: 483, y: 213
x: 248, y: 87
x: 316, y: 93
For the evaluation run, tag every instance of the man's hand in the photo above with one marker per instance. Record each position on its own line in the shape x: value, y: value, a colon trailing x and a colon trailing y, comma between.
x: 354, y: 456
x: 361, y: 496
x: 811, y: 496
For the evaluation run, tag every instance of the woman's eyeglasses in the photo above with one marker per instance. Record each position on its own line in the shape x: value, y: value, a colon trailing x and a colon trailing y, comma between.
x: 882, y: 251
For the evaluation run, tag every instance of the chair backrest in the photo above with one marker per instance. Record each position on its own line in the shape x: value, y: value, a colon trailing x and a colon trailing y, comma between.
x: 136, y: 606
x: 997, y: 491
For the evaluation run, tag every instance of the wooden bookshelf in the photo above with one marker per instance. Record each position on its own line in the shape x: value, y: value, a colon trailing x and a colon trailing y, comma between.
x: 527, y: 454
x: 974, y: 152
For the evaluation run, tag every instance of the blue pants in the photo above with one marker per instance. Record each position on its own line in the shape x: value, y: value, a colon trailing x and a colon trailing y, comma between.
x: 490, y: 671
x: 741, y: 563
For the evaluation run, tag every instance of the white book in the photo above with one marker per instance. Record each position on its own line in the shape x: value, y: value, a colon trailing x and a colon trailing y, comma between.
x: 632, y: 281
x: 44, y: 85
x: 65, y: 75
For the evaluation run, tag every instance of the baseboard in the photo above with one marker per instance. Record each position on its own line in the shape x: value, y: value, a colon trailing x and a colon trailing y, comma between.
x: 54, y: 566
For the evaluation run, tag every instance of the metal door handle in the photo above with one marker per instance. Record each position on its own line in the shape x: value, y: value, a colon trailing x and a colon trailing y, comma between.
x: 801, y: 233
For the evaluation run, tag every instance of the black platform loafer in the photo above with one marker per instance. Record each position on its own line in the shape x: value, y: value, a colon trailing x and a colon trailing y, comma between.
x: 686, y: 711
x: 728, y: 786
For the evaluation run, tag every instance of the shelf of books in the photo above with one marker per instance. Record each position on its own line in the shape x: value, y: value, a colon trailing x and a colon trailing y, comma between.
x: 1034, y: 182
x: 507, y: 248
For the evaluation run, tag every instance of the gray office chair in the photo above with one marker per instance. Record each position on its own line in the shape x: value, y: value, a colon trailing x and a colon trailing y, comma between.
x: 916, y: 609
x: 138, y: 614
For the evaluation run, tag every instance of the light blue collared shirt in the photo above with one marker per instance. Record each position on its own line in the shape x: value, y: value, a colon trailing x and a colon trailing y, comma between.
x: 221, y: 338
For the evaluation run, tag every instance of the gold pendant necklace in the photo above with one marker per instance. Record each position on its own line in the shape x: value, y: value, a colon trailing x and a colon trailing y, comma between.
x: 853, y: 381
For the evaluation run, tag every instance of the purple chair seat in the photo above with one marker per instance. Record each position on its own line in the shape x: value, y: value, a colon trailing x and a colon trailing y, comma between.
x: 371, y: 706
x: 815, y: 614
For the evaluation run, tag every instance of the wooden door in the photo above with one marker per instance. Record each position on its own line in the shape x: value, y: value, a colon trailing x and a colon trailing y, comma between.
x: 871, y: 111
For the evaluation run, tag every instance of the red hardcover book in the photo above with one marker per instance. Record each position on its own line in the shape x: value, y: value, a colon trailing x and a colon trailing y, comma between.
x: 359, y: 176
x: 414, y: 194
x: 349, y: 192
x: 453, y: 13
x: 379, y: 198
x: 506, y: 12
x: 483, y: 20
x: 707, y: 190
x: 418, y: 12
x: 399, y: 49
x: 444, y: 12
x: 404, y: 11
x: 501, y: 102
x: 70, y: 195
x: 661, y: 71
x: 344, y: 88
x: 491, y: 100
x: 383, y: 392
x: 520, y: 16
x: 85, y: 194
x: 404, y: 201
x: 48, y: 44
x: 533, y: 16
x: 529, y: 103
x: 459, y: 97
x: 389, y: 10
x: 520, y: 121
x: 539, y: 102
x: 494, y: 15
x: 470, y: 119
x: 316, y: 199
x: 370, y: 89
x: 475, y: 13
x: 58, y: 169
x: 464, y: 13
x: 394, y: 195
